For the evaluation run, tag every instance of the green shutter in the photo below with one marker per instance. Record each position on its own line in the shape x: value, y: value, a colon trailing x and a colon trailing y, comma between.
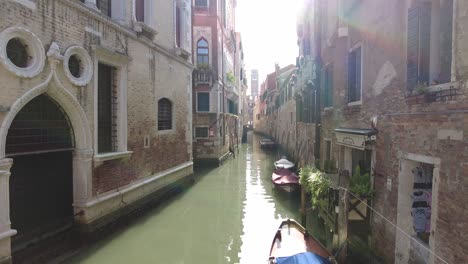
x: 412, y: 48
x: 424, y: 42
x: 446, y: 25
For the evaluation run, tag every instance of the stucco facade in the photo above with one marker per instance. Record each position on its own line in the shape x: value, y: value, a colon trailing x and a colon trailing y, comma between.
x: 148, y: 66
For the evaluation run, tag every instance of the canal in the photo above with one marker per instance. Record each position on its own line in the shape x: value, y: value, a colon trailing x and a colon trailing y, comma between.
x: 228, y: 215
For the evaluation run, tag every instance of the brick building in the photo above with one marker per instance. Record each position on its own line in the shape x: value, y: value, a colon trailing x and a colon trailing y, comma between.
x: 216, y: 80
x: 95, y: 111
x: 381, y: 85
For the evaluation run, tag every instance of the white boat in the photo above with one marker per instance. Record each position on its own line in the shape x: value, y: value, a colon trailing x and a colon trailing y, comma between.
x: 283, y: 163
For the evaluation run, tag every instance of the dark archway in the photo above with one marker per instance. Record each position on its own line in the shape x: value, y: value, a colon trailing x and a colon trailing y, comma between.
x: 40, y: 141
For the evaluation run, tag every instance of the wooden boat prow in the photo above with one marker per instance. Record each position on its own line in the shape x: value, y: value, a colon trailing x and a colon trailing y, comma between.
x: 291, y: 239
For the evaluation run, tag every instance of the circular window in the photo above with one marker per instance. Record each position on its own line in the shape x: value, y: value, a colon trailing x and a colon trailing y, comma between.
x: 74, y: 65
x: 21, y: 52
x: 17, y: 52
x: 78, y: 66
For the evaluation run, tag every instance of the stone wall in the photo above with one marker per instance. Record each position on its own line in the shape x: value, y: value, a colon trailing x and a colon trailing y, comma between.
x: 149, y: 70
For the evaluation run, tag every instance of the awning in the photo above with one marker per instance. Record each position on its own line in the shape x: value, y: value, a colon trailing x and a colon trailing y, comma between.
x: 355, y: 137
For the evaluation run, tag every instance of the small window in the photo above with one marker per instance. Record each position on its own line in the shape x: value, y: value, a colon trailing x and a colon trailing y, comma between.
x: 140, y: 10
x: 164, y: 114
x: 104, y: 6
x: 17, y: 52
x: 202, y: 53
x: 177, y: 23
x: 328, y: 154
x: 201, y: 3
x: 107, y: 129
x: 203, y: 102
x: 429, y: 43
x: 354, y: 75
x: 201, y: 132
x: 74, y: 65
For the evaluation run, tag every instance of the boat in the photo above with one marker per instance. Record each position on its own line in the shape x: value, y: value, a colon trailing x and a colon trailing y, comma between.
x: 283, y: 163
x: 293, y: 244
x: 285, y: 179
x: 267, y: 143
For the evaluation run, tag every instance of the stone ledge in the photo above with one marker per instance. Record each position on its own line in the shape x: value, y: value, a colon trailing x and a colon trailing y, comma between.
x: 112, y: 155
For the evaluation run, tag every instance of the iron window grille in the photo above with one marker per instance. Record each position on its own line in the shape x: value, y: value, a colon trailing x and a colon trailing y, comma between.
x: 107, y: 109
x: 164, y: 114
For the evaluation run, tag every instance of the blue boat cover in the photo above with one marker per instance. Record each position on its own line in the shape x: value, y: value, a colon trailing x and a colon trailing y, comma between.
x: 303, y: 258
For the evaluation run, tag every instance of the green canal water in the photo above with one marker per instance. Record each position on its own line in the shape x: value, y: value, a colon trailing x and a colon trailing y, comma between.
x: 229, y: 215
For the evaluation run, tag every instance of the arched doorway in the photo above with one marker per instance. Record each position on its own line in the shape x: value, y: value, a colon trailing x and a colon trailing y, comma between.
x: 40, y: 142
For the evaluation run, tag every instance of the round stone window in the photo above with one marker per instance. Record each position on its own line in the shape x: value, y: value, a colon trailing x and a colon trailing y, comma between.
x: 78, y: 65
x: 74, y: 65
x: 17, y: 52
x: 21, y: 52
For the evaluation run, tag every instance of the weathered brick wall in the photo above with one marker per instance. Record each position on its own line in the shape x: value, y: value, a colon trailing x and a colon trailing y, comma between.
x: 151, y: 76
x: 405, y: 123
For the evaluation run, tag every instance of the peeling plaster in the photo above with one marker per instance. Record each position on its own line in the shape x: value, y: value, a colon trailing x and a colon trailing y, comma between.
x: 386, y: 74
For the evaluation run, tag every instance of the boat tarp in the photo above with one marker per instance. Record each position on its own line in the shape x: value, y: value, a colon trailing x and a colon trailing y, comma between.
x: 303, y: 258
x: 284, y: 163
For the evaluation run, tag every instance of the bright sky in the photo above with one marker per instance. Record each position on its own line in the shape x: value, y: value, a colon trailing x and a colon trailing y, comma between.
x: 268, y: 31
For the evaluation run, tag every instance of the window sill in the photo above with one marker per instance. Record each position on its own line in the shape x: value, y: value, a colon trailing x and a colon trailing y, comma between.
x: 181, y: 52
x: 144, y: 29
x: 355, y: 103
x: 328, y: 108
x: 166, y: 132
x: 112, y: 155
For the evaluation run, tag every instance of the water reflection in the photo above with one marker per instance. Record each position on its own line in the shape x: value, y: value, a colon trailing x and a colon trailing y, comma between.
x: 229, y: 215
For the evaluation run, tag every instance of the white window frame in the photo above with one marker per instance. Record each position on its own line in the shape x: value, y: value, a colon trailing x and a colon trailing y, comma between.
x: 120, y: 63
x: 149, y: 14
x: 355, y: 47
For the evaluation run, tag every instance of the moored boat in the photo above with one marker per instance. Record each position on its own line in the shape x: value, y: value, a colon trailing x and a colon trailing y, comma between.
x: 292, y: 244
x: 285, y: 179
x: 267, y: 143
x: 283, y: 163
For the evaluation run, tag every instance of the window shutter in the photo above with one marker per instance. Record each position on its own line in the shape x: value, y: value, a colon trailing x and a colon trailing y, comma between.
x: 178, y: 33
x: 351, y: 77
x: 412, y: 48
x: 446, y: 25
x: 323, y: 86
x: 424, y: 42
x: 140, y: 10
x: 358, y: 57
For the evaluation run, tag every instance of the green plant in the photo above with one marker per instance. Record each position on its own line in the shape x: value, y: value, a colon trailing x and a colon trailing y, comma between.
x: 203, y: 66
x: 314, y: 182
x: 360, y: 184
x: 230, y: 77
x: 421, y: 88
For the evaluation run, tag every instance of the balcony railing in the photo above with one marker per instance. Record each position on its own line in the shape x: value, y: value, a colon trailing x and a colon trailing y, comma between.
x: 202, y: 76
